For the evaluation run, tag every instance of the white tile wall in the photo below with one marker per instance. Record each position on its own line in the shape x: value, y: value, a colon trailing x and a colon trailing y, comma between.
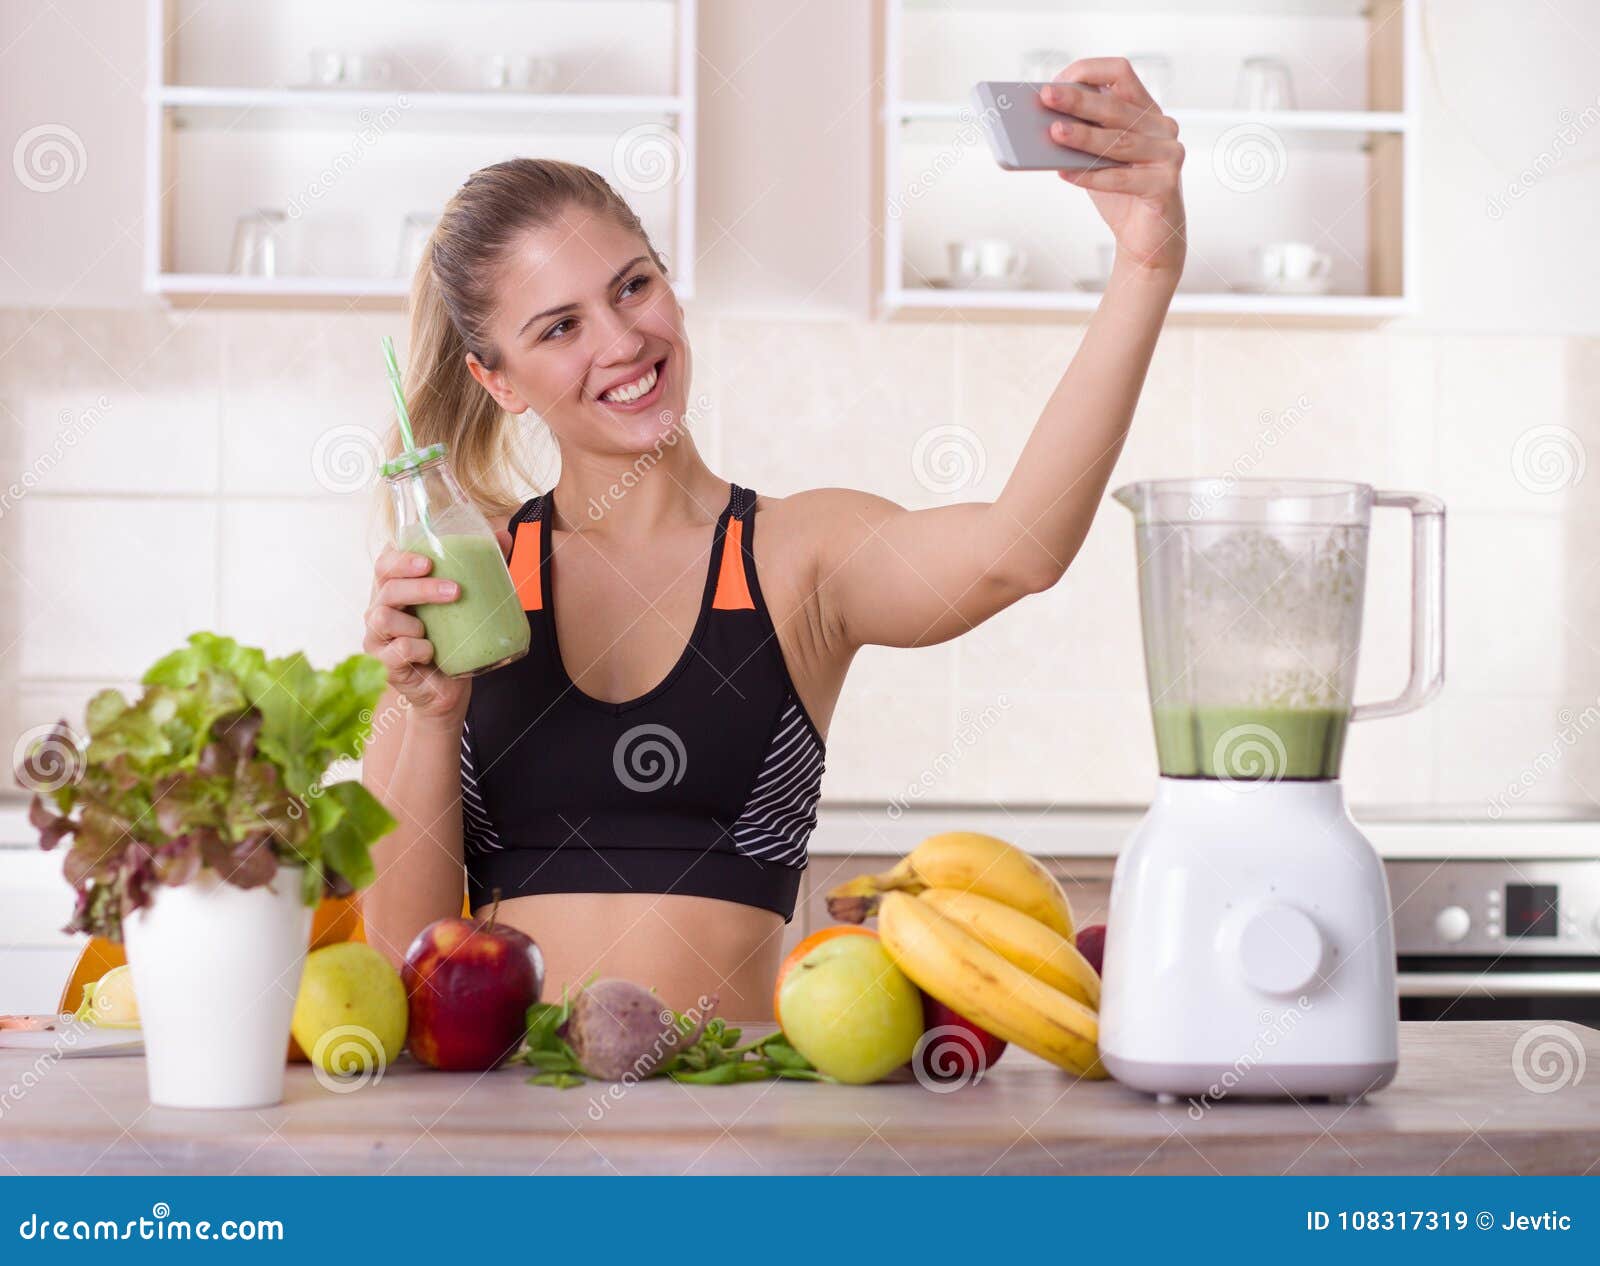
x: 194, y: 501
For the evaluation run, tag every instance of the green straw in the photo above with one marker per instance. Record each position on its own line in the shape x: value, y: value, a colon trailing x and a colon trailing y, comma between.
x: 392, y: 365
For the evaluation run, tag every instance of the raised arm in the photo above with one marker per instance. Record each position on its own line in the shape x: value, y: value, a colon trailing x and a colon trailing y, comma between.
x: 897, y: 577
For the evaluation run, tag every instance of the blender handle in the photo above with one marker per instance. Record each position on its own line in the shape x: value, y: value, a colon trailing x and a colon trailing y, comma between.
x: 1427, y: 606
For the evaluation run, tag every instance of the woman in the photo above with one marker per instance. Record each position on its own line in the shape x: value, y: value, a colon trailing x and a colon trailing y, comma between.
x: 637, y: 791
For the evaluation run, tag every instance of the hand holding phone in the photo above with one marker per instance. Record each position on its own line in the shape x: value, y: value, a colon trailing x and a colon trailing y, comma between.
x: 1016, y: 123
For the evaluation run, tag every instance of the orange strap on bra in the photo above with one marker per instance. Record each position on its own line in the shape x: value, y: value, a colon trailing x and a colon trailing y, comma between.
x: 524, y: 565
x: 733, y: 589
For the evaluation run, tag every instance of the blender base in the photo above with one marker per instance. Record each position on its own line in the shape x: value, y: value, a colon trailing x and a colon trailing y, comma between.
x: 1249, y: 949
x: 1213, y: 1082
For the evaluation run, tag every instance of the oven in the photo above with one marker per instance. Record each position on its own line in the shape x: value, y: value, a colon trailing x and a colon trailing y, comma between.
x: 1498, y: 939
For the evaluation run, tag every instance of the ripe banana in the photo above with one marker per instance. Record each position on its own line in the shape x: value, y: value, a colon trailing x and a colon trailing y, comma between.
x: 1040, y: 951
x: 967, y: 861
x: 969, y: 977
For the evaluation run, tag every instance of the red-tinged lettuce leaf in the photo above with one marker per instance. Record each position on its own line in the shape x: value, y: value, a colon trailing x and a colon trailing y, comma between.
x: 52, y: 762
x: 53, y: 827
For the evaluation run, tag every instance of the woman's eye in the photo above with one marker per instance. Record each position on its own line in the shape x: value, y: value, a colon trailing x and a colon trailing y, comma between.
x: 556, y: 328
x: 641, y: 281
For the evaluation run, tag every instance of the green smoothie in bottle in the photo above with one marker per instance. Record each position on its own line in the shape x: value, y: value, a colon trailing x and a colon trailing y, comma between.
x: 484, y: 627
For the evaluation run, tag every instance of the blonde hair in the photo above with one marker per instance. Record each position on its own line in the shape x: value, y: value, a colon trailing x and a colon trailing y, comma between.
x: 452, y: 299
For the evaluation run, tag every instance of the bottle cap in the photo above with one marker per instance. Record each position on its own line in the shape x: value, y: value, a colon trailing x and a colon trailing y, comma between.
x: 412, y: 459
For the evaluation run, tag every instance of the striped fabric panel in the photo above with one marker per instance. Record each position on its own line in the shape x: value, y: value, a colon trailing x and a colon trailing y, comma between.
x: 781, y: 811
x: 477, y: 831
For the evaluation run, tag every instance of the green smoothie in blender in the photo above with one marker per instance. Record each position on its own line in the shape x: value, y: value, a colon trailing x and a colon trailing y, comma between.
x: 1246, y: 744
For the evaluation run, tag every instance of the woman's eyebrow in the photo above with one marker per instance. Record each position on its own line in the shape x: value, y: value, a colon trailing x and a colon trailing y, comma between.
x: 568, y: 307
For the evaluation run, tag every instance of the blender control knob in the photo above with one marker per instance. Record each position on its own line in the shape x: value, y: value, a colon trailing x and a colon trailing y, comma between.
x: 1452, y: 924
x: 1281, y: 950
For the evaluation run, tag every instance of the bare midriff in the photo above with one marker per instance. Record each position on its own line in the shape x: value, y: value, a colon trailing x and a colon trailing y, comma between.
x: 685, y: 948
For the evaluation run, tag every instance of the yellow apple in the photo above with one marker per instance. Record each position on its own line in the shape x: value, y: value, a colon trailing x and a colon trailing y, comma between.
x: 849, y: 1010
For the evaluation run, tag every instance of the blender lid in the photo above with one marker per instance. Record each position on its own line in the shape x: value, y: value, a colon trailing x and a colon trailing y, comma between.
x: 1219, y: 499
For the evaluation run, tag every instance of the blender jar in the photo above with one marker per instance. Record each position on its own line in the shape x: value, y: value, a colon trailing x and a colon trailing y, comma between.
x: 485, y: 626
x: 1251, y: 594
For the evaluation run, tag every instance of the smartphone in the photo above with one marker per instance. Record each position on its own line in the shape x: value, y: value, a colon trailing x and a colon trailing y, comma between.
x: 1017, y: 125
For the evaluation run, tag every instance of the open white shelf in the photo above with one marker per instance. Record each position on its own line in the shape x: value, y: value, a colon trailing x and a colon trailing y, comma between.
x: 1341, y: 172
x: 1354, y: 121
x: 231, y: 129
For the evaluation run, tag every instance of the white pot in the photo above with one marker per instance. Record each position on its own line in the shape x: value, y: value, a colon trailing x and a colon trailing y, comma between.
x: 216, y: 969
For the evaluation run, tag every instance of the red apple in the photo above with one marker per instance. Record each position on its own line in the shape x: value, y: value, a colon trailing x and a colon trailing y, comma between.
x: 1092, y: 944
x: 469, y: 984
x: 953, y: 1048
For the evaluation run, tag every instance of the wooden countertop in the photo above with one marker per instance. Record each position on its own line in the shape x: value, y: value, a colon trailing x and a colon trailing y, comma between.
x: 1457, y: 1107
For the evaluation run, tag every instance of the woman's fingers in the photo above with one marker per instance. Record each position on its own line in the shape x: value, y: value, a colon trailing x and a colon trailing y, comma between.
x: 406, y: 652
x: 389, y: 622
x: 414, y: 593
x: 1117, y: 143
x: 393, y: 563
x: 1107, y: 110
x: 1113, y: 73
x: 1153, y: 180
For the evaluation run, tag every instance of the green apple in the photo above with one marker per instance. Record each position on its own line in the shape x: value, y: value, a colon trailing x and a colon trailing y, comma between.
x: 849, y: 1010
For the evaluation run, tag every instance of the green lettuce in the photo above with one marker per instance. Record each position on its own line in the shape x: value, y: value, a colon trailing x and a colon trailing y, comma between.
x: 222, y: 762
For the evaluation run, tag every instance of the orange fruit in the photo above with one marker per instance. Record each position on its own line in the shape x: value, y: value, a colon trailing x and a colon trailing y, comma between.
x: 805, y: 947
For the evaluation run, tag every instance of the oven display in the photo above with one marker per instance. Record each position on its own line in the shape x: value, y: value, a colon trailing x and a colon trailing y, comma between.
x: 1531, y: 910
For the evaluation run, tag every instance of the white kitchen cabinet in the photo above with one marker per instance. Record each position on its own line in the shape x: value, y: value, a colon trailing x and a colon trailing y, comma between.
x: 35, y: 902
x: 1339, y: 170
x: 237, y: 121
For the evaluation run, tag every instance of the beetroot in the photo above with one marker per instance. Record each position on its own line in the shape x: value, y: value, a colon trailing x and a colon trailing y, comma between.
x: 620, y: 1031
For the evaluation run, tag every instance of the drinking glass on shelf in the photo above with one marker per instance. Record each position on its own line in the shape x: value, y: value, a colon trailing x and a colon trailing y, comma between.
x: 1265, y: 84
x: 1042, y: 65
x: 415, y: 230
x: 256, y: 243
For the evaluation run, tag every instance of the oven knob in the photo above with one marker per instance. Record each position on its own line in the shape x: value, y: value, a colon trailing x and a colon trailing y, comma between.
x: 1280, y: 950
x: 1452, y: 924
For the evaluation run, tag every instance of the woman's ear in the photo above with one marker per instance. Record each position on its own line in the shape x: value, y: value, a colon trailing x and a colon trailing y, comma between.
x: 497, y: 385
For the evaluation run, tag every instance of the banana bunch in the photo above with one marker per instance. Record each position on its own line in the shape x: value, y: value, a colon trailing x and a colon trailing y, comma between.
x: 985, y: 929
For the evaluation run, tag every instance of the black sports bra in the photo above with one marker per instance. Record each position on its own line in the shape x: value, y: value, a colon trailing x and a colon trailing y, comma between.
x: 707, y: 785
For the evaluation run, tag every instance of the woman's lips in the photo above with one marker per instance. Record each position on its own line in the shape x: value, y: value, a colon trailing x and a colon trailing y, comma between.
x: 646, y: 400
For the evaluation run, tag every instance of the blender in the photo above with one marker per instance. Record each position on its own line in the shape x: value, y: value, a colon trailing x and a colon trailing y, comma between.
x: 1249, y: 949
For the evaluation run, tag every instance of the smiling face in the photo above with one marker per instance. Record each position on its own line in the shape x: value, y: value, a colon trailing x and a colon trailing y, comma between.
x: 590, y: 336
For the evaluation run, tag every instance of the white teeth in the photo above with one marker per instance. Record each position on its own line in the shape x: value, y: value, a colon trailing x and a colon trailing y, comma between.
x: 633, y: 390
